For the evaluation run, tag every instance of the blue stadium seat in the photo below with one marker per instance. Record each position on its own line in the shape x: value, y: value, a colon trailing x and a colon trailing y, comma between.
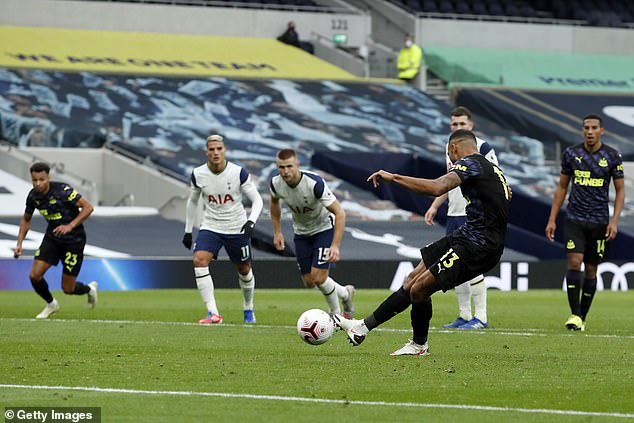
x: 429, y: 6
x: 413, y: 5
x: 463, y: 8
x: 527, y: 11
x: 511, y: 10
x: 479, y: 9
x: 496, y: 9
x: 446, y: 7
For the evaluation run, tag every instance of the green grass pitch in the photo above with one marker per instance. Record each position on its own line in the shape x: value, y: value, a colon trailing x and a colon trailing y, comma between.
x: 527, y: 360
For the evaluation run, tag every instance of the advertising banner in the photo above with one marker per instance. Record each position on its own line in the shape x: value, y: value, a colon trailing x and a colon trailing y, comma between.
x: 159, y: 54
x: 132, y: 274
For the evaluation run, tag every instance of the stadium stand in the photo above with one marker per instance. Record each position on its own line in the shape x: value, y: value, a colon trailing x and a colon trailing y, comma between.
x: 600, y: 13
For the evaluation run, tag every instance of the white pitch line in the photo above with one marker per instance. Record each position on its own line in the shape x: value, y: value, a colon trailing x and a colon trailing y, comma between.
x: 509, y: 332
x: 325, y: 400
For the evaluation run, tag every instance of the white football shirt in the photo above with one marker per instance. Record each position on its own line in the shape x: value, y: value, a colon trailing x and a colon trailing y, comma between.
x: 307, y: 201
x: 222, y: 195
x: 457, y: 203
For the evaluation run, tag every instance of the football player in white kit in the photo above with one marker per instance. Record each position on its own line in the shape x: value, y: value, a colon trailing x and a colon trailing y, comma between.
x: 222, y: 185
x: 460, y: 118
x: 317, y: 235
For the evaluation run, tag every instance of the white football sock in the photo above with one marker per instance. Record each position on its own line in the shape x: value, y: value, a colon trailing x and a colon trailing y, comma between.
x: 479, y: 292
x: 464, y: 300
x: 330, y: 293
x: 342, y: 292
x: 247, y: 283
x: 206, y: 288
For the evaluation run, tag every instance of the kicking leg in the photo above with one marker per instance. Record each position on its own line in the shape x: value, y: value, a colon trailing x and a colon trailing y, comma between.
x: 396, y: 303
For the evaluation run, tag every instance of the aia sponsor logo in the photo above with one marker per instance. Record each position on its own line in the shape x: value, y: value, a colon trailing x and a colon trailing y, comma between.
x: 219, y: 199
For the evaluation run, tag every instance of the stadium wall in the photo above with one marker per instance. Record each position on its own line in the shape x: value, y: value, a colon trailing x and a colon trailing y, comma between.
x: 132, y: 274
x: 228, y: 22
x: 115, y: 175
x: 519, y: 36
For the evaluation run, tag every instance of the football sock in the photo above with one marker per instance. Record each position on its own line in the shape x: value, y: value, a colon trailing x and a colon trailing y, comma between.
x: 573, y: 285
x: 342, y: 292
x: 463, y: 291
x: 330, y: 293
x: 393, y: 305
x: 41, y: 288
x: 420, y: 314
x: 80, y: 289
x: 479, y: 293
x: 247, y: 283
x: 589, y: 288
x: 206, y: 288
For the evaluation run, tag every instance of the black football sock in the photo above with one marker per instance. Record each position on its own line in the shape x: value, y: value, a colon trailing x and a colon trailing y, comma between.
x: 41, y: 288
x: 420, y: 314
x: 393, y: 305
x: 80, y: 289
x: 587, y: 294
x: 573, y: 285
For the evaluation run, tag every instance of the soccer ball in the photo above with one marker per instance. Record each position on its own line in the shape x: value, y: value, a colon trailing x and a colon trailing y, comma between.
x: 315, y: 326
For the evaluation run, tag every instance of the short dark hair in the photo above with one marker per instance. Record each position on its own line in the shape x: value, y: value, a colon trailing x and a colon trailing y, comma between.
x: 462, y: 134
x: 286, y: 153
x: 461, y: 111
x: 40, y: 167
x: 593, y: 116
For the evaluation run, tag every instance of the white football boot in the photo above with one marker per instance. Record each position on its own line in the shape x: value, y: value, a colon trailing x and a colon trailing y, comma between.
x: 352, y: 328
x: 411, y: 348
x: 92, y: 294
x: 50, y: 309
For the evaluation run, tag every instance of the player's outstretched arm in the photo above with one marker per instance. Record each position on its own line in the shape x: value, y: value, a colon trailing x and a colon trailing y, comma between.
x: 558, y: 201
x: 340, y: 223
x: 86, y: 210
x: 619, y: 201
x: 25, y: 225
x: 435, y: 187
x: 276, y: 218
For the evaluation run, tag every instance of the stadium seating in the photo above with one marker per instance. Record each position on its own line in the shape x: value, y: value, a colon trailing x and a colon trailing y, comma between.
x: 166, y: 121
x: 615, y: 13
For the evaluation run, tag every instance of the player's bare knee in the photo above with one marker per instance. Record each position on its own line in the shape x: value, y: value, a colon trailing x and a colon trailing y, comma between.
x: 419, y: 293
x: 590, y: 271
x: 201, y: 260
x: 574, y: 261
x: 308, y: 282
x: 35, y: 277
x: 244, y: 268
x: 68, y: 289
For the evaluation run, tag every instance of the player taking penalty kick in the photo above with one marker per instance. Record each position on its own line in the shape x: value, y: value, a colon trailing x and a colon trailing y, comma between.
x: 222, y: 186
x: 471, y: 250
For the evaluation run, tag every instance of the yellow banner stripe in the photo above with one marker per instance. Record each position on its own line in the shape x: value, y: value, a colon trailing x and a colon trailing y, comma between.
x: 159, y: 54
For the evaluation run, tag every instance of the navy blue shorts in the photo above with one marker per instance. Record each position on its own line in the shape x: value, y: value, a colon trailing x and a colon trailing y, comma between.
x: 238, y: 246
x: 454, y: 222
x: 312, y: 250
